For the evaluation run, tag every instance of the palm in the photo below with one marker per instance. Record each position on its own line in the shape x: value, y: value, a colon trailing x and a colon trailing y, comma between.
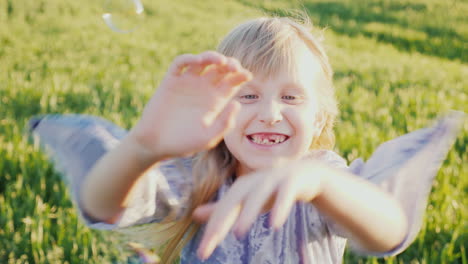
x: 191, y: 111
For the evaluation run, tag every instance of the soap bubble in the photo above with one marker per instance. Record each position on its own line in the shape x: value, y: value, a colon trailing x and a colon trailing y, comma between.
x: 123, y: 16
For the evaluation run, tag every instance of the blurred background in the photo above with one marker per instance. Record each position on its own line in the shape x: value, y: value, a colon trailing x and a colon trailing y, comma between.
x: 398, y: 64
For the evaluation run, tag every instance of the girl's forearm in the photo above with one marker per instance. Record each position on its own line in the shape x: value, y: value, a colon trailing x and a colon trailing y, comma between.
x: 372, y: 217
x: 107, y: 188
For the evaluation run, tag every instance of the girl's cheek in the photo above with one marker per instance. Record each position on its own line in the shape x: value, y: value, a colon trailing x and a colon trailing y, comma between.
x: 294, y: 117
x: 302, y: 122
x: 244, y: 117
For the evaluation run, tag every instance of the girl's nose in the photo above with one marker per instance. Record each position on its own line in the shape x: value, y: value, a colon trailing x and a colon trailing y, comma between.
x: 270, y: 114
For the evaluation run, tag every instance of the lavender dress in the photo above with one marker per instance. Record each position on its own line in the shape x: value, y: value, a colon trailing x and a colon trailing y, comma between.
x: 405, y: 167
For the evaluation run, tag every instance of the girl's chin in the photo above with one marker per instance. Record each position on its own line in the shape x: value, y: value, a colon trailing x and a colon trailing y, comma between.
x: 255, y: 164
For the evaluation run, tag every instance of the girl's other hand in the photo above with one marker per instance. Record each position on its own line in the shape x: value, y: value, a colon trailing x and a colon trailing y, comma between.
x: 192, y: 108
x: 275, y: 189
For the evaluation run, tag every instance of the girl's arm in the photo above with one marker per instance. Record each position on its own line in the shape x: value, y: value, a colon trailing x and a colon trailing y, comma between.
x: 190, y: 111
x: 106, y: 188
x: 372, y: 217
x: 406, y: 166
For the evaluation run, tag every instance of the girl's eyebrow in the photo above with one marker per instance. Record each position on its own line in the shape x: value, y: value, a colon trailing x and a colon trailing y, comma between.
x: 293, y: 86
x: 285, y: 86
x: 250, y: 85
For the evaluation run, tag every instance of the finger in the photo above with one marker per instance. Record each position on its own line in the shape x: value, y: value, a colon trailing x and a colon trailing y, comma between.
x: 231, y: 83
x: 207, y: 58
x: 181, y: 62
x: 221, y: 220
x: 217, y: 231
x: 285, y: 199
x: 253, y: 205
x: 215, y: 73
x: 212, y: 57
x: 233, y: 65
x: 195, y: 69
x: 203, y: 212
x: 223, y: 122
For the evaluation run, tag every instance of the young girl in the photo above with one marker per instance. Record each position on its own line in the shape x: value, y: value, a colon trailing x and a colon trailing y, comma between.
x: 232, y: 163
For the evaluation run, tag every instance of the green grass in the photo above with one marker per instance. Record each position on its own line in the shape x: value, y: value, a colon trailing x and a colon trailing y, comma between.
x: 398, y: 64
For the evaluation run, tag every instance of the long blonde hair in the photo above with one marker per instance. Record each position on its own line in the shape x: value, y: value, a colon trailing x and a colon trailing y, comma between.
x: 264, y: 46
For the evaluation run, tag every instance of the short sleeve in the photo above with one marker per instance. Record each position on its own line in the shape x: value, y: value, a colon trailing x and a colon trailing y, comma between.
x: 76, y: 142
x: 406, y: 166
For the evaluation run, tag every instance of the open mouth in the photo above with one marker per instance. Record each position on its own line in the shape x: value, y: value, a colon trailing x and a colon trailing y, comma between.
x: 267, y: 139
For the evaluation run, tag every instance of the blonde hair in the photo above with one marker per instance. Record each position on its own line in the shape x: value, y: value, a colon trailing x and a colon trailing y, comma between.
x: 264, y: 46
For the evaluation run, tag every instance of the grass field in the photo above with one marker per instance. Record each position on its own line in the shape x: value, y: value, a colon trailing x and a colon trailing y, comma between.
x: 398, y: 64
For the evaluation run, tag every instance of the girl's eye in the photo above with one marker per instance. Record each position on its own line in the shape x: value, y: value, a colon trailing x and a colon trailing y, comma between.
x: 249, y: 96
x: 293, y: 99
x: 289, y: 97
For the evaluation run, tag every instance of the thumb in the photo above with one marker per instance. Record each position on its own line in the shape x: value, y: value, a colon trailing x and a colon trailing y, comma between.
x: 203, y: 212
x: 225, y: 119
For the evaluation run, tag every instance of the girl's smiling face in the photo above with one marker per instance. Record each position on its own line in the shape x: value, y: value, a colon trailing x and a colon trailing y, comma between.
x: 279, y: 115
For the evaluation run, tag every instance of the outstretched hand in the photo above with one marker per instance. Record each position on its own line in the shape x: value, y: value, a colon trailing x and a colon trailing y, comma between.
x: 274, y: 189
x: 192, y: 108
